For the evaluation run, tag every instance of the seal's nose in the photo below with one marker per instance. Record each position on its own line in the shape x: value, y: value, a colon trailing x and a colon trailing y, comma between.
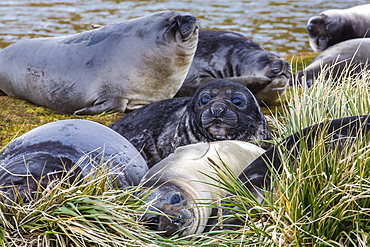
x: 187, y: 25
x: 315, y: 22
x: 218, y: 109
x: 186, y: 19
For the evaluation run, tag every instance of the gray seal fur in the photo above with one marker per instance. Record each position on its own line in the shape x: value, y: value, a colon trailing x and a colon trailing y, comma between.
x: 223, y: 54
x: 347, y: 58
x: 51, y: 151
x: 336, y: 25
x: 220, y: 110
x: 182, y: 183
x: 117, y: 67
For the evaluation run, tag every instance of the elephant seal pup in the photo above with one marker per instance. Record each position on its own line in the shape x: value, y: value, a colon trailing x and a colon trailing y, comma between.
x: 185, y: 181
x: 336, y: 25
x: 344, y: 59
x: 67, y: 148
x: 338, y: 132
x: 117, y: 67
x: 222, y: 54
x: 220, y: 110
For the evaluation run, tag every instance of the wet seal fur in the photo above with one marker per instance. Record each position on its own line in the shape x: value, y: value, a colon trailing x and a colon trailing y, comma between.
x: 220, y: 110
x: 338, y: 132
x: 67, y: 148
x: 117, y: 67
x: 336, y: 25
x: 348, y: 58
x: 180, y: 184
x: 222, y: 54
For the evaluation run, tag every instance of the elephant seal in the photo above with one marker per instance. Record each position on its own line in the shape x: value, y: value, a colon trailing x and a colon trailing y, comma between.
x: 185, y: 181
x: 223, y: 54
x: 257, y: 176
x: 117, y: 67
x: 336, y: 25
x: 344, y: 59
x: 67, y: 148
x: 220, y: 110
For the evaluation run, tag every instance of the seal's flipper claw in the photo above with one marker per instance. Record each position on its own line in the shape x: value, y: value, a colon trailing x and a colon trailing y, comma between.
x: 103, y: 106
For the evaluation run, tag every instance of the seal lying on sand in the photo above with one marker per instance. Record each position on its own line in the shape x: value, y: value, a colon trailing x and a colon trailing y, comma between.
x: 257, y: 176
x: 222, y: 54
x: 220, y: 110
x: 67, y: 148
x: 117, y: 67
x: 183, y: 182
x: 344, y: 59
x: 336, y: 25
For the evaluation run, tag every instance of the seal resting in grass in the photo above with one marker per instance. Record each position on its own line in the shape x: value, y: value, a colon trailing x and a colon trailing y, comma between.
x: 67, y: 150
x: 220, y: 110
x: 120, y: 66
x: 181, y: 183
x: 223, y: 54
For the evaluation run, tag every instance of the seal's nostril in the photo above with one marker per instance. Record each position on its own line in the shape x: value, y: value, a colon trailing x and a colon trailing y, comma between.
x: 218, y: 109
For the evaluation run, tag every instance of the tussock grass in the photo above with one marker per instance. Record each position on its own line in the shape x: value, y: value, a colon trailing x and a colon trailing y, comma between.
x: 322, y: 197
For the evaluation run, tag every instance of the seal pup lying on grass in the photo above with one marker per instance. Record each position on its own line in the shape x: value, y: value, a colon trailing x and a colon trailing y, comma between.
x: 182, y: 184
x: 223, y: 54
x: 345, y: 59
x: 120, y: 66
x: 220, y: 110
x: 69, y: 150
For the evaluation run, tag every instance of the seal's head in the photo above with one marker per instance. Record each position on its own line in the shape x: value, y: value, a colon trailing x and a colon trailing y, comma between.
x: 171, y: 211
x: 226, y: 110
x: 326, y: 29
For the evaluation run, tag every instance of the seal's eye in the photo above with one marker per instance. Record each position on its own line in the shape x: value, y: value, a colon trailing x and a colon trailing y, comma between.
x: 238, y: 101
x: 175, y: 199
x: 205, y: 98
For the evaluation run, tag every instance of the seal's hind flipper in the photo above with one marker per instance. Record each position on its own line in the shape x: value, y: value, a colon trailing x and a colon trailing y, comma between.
x: 103, y: 106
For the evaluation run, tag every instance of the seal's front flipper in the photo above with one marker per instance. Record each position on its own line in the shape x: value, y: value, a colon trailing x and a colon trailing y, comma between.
x: 100, y: 106
x: 253, y: 83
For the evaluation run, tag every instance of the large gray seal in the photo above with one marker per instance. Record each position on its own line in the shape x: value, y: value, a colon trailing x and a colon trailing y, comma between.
x: 220, y: 110
x: 68, y: 148
x: 336, y: 25
x: 117, y: 67
x: 186, y: 181
x: 347, y: 58
x: 222, y: 54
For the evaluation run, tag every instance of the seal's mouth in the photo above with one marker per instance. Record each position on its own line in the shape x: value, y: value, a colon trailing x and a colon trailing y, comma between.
x: 170, y: 223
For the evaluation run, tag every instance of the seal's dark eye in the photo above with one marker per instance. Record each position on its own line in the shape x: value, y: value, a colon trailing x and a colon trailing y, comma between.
x: 175, y: 199
x: 205, y: 98
x: 238, y: 101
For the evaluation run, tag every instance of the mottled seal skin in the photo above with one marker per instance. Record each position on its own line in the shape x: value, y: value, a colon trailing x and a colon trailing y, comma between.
x: 50, y: 151
x: 222, y: 54
x: 220, y: 110
x: 344, y: 59
x: 181, y: 184
x: 257, y: 176
x: 117, y: 67
x: 336, y: 25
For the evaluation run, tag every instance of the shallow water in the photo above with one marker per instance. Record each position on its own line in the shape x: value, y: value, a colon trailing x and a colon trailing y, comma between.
x: 278, y: 25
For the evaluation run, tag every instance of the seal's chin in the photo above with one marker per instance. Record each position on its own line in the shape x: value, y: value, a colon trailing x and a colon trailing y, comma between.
x: 218, y: 131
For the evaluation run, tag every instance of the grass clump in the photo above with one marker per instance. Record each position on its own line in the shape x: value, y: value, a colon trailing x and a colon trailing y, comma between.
x: 322, y: 197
